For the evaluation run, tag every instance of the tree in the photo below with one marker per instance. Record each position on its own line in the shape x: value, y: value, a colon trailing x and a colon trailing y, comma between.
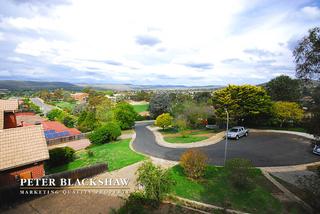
x: 201, y: 97
x: 194, y: 163
x: 87, y: 121
x: 105, y: 134
x: 125, y: 114
x: 55, y: 114
x: 246, y: 104
x: 307, y: 55
x: 287, y: 111
x: 159, y: 104
x: 164, y: 120
x: 156, y: 181
x: 195, y: 114
x: 283, y: 88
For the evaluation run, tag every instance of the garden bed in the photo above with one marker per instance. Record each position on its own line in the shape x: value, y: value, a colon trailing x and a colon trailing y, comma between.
x: 116, y: 154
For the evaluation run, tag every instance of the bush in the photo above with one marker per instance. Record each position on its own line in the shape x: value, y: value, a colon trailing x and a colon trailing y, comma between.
x: 55, y: 114
x: 194, y: 163
x: 164, y: 120
x: 106, y: 133
x: 156, y: 181
x: 60, y: 156
x: 68, y: 121
x: 240, y: 173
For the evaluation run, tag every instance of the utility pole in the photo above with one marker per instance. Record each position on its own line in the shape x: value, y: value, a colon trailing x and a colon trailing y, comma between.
x: 226, y: 143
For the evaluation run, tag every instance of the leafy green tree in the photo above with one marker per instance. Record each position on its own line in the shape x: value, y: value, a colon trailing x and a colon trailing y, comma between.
x: 164, y: 120
x: 155, y: 180
x: 307, y: 55
x: 203, y: 97
x: 69, y: 121
x: 245, y: 104
x: 55, y: 114
x: 125, y: 114
x: 87, y: 121
x: 287, y: 111
x: 105, y: 134
x: 193, y: 113
x: 159, y: 104
x: 283, y: 88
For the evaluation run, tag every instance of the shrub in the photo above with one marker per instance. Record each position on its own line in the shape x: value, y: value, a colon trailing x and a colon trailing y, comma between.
x: 55, y: 114
x: 68, y: 121
x: 90, y: 153
x: 156, y: 181
x: 194, y: 163
x: 240, y: 172
x: 135, y: 203
x: 106, y: 133
x: 60, y: 156
x: 164, y: 120
x: 182, y: 125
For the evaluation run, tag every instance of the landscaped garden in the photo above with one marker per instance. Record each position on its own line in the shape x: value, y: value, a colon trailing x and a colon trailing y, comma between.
x: 116, y: 154
x: 69, y: 106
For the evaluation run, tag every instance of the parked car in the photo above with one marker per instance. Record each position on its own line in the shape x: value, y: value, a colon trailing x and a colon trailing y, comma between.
x: 237, y: 132
x: 316, y: 150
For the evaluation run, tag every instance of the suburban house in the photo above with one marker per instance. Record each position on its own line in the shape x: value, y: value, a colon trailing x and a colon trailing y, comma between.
x: 23, y: 149
x: 81, y: 97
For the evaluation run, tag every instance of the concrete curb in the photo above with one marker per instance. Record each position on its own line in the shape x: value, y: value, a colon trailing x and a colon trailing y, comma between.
x: 160, y: 141
x: 302, y: 134
x: 289, y: 194
x: 203, y: 206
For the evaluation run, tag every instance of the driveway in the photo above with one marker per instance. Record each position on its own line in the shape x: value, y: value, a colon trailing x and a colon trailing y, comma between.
x: 44, y: 107
x: 262, y: 148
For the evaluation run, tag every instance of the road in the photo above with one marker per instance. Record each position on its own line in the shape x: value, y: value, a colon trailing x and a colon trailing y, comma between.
x: 45, y: 108
x: 263, y: 149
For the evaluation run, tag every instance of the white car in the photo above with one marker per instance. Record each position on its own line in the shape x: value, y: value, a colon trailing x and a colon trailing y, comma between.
x: 316, y: 150
x: 237, y: 132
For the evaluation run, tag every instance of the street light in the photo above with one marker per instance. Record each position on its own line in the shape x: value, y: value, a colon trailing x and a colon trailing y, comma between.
x: 226, y: 144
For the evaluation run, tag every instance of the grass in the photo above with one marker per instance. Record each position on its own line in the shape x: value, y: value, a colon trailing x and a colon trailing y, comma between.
x: 65, y: 105
x: 117, y: 154
x: 172, y: 135
x: 215, y: 189
x: 186, y: 139
x: 141, y: 108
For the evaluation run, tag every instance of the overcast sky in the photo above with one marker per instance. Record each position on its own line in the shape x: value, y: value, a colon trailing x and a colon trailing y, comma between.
x: 152, y: 42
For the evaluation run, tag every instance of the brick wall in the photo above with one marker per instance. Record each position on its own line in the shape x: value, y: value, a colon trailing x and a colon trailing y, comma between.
x: 9, y: 176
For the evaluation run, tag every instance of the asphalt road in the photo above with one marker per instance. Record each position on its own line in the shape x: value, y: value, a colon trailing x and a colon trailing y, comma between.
x: 44, y: 107
x: 263, y: 149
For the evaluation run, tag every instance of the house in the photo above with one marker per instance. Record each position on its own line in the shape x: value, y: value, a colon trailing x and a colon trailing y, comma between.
x: 23, y: 149
x: 81, y: 97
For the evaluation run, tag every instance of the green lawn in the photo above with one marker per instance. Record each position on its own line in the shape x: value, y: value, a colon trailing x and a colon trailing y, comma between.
x: 65, y: 105
x: 116, y: 154
x: 215, y: 189
x: 186, y: 139
x: 141, y: 108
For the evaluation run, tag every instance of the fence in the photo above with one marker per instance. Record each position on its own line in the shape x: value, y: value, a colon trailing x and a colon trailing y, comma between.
x: 66, y: 139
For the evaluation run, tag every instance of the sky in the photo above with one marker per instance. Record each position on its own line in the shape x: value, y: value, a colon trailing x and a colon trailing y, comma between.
x: 144, y: 42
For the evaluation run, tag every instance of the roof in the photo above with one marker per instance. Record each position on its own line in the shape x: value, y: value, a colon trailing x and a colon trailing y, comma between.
x: 28, y: 118
x: 59, y: 127
x: 22, y: 146
x: 9, y: 105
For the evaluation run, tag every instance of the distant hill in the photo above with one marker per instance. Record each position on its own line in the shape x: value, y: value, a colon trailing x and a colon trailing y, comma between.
x: 35, y: 85
x: 127, y: 87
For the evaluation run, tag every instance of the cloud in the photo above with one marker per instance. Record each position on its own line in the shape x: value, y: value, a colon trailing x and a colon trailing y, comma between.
x: 247, y: 41
x: 204, y: 66
x: 147, y: 40
x: 260, y: 52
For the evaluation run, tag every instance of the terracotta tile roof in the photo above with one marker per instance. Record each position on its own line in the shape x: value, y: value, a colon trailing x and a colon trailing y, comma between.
x: 9, y: 105
x: 22, y: 146
x: 59, y: 127
x: 28, y: 118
